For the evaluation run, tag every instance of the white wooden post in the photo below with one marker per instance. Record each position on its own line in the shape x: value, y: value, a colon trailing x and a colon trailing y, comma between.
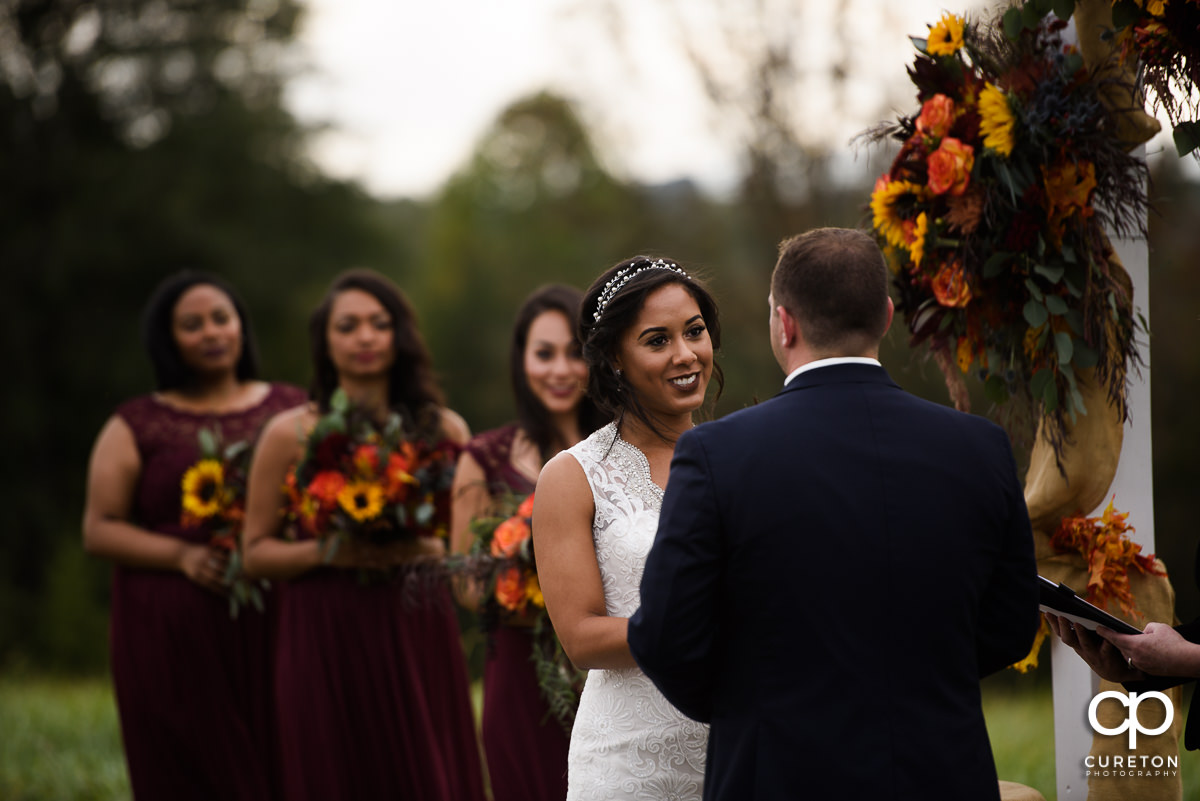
x: 1074, y: 682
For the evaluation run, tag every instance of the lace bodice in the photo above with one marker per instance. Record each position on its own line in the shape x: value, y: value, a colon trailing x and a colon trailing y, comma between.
x: 626, y: 519
x: 628, y: 742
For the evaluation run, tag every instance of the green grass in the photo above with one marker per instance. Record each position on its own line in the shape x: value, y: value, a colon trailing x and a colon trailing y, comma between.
x: 1020, y: 720
x: 59, y: 739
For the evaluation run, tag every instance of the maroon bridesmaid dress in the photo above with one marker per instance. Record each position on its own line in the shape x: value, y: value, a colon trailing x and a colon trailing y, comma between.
x: 192, y: 684
x: 526, y: 747
x: 372, y: 693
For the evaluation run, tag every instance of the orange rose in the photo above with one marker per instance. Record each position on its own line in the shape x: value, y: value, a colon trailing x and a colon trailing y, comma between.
x: 366, y: 460
x: 526, y: 507
x: 509, y: 536
x: 950, y: 167
x: 937, y: 115
x: 950, y: 286
x: 325, y: 487
x: 510, y: 589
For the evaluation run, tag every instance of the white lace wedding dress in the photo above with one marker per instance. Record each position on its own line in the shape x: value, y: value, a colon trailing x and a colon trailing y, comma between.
x: 628, y: 742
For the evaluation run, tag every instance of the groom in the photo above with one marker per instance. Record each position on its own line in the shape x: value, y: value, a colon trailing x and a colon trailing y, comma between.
x: 837, y: 567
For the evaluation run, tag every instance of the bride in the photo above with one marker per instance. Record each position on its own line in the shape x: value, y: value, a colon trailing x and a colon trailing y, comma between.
x: 649, y: 331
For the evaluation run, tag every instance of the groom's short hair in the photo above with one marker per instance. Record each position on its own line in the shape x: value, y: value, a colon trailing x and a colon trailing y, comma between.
x: 834, y: 281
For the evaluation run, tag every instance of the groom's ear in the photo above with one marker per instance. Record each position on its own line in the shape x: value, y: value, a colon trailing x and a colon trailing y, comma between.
x: 787, y: 327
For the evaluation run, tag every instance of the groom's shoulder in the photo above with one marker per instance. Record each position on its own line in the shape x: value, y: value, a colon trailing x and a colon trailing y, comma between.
x: 737, y: 422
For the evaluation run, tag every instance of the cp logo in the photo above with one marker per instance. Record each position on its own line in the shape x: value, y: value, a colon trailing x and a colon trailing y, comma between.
x: 1131, y: 721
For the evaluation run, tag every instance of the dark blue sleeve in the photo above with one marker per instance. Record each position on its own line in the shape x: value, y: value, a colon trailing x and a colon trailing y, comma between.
x: 1009, y: 619
x: 672, y: 635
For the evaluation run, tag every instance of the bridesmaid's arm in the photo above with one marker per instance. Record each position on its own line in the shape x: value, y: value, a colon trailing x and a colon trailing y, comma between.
x: 264, y: 554
x: 112, y: 480
x: 454, y: 427
x: 568, y: 571
x: 469, y: 499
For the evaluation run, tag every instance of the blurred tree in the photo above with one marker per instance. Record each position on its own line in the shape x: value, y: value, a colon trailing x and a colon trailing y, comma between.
x: 533, y: 205
x: 138, y: 138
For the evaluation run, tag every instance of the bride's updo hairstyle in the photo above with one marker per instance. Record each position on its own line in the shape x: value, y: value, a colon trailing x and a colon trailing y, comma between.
x: 610, y: 306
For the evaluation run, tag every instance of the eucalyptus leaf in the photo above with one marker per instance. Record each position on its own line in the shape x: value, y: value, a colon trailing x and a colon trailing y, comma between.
x: 1056, y: 305
x: 1043, y: 7
x: 1073, y: 63
x: 922, y: 45
x: 424, y: 514
x: 1037, y: 385
x: 1068, y: 253
x: 339, y: 402
x: 208, y: 443
x: 996, y: 264
x: 1063, y: 9
x: 1030, y: 16
x: 1006, y: 177
x: 995, y: 389
x: 1013, y: 23
x: 1077, y: 404
x: 1187, y: 137
x: 1064, y: 346
x: 331, y: 548
x: 1052, y: 274
x: 1074, y: 318
x: 1050, y: 396
x: 1085, y: 356
x: 236, y: 449
x: 1035, y: 314
x: 1034, y: 290
x: 1125, y: 13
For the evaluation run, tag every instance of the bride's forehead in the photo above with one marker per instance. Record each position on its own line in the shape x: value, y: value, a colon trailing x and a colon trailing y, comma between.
x: 667, y: 304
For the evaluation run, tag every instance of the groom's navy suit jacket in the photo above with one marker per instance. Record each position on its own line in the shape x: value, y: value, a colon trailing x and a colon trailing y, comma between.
x: 835, y: 569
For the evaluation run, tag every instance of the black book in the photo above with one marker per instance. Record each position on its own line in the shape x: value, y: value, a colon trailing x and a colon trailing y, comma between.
x: 1061, y: 600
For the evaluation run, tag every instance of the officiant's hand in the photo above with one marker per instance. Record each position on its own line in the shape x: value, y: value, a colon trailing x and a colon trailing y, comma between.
x: 1159, y: 650
x: 1103, y: 657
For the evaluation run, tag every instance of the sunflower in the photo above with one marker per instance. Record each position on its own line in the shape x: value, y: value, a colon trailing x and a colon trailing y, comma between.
x: 203, y: 486
x: 997, y: 120
x: 362, y: 500
x: 883, y: 207
x: 916, y: 250
x: 533, y: 591
x: 946, y: 38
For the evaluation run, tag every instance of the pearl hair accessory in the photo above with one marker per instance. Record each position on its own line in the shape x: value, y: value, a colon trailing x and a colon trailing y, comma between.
x: 622, y: 277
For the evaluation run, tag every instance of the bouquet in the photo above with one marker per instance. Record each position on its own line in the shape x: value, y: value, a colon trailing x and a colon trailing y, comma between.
x: 369, y: 481
x: 993, y: 215
x: 214, y: 498
x: 503, y: 560
x: 1162, y: 39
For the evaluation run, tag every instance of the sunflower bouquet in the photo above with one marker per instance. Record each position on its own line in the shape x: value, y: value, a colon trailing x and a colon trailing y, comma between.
x: 214, y: 498
x: 371, y: 481
x: 993, y: 217
x: 502, y: 560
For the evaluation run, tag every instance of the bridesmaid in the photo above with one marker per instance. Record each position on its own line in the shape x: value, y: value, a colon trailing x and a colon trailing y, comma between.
x: 191, y: 683
x: 526, y: 748
x: 371, y: 684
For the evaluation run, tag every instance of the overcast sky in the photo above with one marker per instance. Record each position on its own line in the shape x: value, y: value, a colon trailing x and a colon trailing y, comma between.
x: 408, y: 86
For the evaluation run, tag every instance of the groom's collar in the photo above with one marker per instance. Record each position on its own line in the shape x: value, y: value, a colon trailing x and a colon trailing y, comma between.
x: 804, y: 368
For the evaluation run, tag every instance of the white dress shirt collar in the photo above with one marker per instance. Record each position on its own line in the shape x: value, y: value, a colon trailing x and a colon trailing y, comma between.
x: 804, y: 368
